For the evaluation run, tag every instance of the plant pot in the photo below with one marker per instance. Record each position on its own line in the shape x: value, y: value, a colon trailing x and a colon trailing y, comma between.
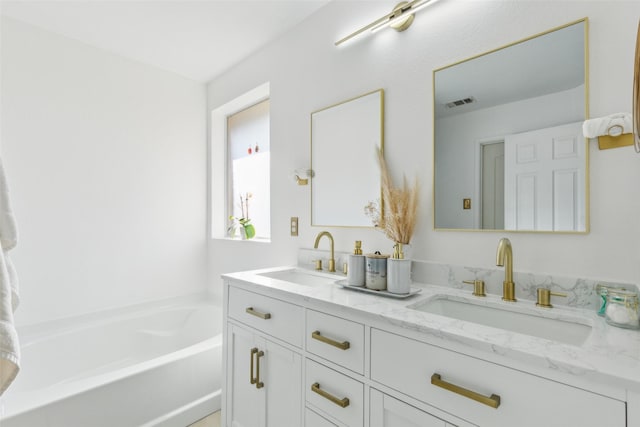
x: 398, y: 276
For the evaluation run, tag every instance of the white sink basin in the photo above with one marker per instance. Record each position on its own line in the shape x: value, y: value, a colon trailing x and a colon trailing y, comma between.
x: 565, y: 329
x: 301, y: 277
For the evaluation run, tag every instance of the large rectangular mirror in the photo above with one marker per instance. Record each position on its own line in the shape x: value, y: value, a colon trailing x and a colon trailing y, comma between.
x: 346, y: 176
x: 509, y: 152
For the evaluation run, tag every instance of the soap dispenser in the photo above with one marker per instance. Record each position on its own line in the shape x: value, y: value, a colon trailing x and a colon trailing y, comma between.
x: 357, y: 266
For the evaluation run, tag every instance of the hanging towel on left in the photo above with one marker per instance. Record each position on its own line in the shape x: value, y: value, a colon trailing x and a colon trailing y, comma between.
x: 9, y: 344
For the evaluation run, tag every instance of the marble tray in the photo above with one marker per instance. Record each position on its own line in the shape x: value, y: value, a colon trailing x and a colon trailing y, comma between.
x: 346, y: 285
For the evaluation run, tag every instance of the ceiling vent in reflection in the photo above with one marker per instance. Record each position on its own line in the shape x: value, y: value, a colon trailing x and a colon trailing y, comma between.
x: 460, y: 102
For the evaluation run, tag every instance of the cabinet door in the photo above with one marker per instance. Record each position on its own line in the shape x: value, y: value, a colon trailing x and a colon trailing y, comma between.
x: 386, y: 411
x: 282, y: 380
x: 246, y: 403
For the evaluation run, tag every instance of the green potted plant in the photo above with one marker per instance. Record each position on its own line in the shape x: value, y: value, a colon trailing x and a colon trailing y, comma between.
x: 242, y: 224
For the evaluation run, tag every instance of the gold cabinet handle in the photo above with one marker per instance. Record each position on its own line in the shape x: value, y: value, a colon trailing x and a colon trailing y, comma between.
x: 253, y: 312
x: 259, y: 384
x: 343, y: 403
x: 252, y: 379
x: 493, y: 400
x: 341, y: 345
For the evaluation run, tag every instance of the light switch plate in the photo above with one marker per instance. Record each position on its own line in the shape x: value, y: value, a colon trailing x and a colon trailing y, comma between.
x: 294, y: 225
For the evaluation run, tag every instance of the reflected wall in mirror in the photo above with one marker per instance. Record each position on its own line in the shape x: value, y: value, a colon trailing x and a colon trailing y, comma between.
x: 346, y: 176
x: 508, y: 136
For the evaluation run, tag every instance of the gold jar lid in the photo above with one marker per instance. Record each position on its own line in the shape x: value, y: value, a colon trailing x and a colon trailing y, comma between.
x: 622, y: 295
x: 378, y: 255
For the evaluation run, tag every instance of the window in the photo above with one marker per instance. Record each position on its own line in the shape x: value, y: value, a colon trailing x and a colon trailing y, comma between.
x: 236, y: 126
x: 248, y: 169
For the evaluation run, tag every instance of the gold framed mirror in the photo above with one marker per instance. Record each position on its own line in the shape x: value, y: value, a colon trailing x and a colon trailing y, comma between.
x: 509, y: 153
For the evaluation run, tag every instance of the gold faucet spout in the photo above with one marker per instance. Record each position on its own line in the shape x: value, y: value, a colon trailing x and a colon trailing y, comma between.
x: 504, y: 257
x: 332, y: 261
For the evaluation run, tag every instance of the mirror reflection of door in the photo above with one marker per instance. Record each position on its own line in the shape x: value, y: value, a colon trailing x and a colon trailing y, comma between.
x: 532, y: 84
x: 545, y: 181
x: 492, y: 186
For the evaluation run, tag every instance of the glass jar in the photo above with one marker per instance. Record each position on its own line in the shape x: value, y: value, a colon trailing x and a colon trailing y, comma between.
x: 622, y: 309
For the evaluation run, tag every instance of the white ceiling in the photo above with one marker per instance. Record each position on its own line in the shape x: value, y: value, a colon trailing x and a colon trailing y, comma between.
x: 539, y: 66
x: 198, y: 39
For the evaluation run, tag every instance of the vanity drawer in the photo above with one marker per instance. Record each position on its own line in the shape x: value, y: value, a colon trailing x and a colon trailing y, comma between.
x: 524, y: 399
x: 277, y: 318
x: 335, y: 339
x: 312, y: 419
x: 335, y: 394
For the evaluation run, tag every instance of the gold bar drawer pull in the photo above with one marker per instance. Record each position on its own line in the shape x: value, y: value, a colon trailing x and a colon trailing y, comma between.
x: 341, y: 345
x: 343, y: 403
x: 493, y: 400
x: 264, y: 316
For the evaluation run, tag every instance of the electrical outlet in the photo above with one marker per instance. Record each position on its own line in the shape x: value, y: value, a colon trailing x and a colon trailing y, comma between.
x: 294, y: 225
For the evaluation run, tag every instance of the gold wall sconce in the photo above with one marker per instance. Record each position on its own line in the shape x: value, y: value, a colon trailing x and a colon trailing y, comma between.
x: 301, y: 176
x: 400, y: 18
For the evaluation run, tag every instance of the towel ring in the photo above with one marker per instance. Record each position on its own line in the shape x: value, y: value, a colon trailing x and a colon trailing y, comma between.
x: 615, y: 130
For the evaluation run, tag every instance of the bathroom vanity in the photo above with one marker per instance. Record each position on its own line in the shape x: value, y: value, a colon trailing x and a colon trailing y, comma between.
x: 303, y: 351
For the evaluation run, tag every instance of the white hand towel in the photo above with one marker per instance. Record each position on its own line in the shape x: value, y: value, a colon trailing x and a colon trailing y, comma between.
x: 9, y: 344
x: 613, y: 125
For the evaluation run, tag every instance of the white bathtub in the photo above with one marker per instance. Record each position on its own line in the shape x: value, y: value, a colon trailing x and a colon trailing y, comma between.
x: 152, y: 365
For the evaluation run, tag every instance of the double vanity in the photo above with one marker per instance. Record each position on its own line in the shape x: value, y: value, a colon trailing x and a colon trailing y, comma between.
x: 303, y: 350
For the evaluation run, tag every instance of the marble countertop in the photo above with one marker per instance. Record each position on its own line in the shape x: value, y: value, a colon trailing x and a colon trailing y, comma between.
x: 610, y: 355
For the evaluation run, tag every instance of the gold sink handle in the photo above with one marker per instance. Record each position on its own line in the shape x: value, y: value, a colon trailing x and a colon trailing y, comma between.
x: 478, y: 287
x: 544, y: 297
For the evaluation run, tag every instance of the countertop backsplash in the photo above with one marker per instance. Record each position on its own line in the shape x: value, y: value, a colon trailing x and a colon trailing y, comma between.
x: 581, y: 292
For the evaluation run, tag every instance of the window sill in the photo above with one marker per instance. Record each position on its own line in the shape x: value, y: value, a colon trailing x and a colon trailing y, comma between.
x: 237, y: 239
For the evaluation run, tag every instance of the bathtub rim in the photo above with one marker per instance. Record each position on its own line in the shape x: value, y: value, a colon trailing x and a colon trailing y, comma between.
x: 13, y: 406
x: 44, y: 397
x: 32, y: 333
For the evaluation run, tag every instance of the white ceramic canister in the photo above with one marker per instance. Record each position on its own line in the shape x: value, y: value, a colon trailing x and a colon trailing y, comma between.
x: 355, y: 274
x: 357, y: 266
x: 376, y: 275
x: 399, y: 276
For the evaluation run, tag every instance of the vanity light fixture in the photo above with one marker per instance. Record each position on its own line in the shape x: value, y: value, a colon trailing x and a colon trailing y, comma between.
x: 400, y: 18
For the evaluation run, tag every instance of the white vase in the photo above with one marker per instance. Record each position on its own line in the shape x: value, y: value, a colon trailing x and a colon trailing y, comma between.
x: 398, y: 275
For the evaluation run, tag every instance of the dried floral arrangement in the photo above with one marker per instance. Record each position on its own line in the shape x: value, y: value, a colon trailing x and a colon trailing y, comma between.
x: 397, y: 214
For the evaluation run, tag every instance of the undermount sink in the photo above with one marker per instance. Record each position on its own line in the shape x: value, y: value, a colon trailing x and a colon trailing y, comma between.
x: 565, y: 329
x: 300, y: 277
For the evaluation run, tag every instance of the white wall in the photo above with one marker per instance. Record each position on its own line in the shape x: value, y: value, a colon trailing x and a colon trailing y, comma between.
x: 458, y: 136
x: 106, y: 160
x: 308, y: 72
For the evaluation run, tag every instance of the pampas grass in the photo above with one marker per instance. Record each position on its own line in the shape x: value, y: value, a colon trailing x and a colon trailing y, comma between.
x: 398, y: 214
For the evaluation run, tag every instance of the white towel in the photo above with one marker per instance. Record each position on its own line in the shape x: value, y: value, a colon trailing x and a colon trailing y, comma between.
x: 613, y: 125
x: 9, y: 344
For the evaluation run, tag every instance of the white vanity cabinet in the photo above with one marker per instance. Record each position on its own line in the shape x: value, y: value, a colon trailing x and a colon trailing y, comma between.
x: 324, y: 364
x: 485, y: 393
x: 264, y: 378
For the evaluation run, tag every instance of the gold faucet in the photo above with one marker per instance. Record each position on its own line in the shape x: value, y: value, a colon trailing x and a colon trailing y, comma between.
x: 332, y: 261
x: 504, y: 257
